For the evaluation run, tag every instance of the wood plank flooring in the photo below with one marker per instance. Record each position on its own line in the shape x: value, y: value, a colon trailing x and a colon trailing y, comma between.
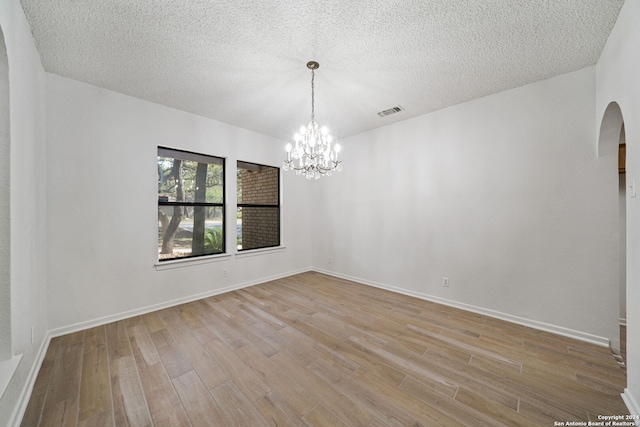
x: 319, y: 351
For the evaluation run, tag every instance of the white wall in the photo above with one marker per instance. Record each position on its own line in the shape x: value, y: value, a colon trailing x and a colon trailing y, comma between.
x: 617, y: 81
x: 102, y: 205
x: 503, y: 195
x: 27, y: 207
x: 5, y: 209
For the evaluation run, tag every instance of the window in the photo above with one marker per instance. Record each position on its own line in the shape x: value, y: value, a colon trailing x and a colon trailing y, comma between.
x: 258, y: 206
x: 190, y: 204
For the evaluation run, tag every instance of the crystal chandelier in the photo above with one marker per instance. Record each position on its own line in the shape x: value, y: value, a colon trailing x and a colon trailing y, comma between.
x: 312, y: 154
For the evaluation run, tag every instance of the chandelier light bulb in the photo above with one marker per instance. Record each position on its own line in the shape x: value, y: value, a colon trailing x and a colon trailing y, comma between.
x: 312, y: 151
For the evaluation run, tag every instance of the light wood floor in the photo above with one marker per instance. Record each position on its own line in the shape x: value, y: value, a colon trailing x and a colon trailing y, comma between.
x: 315, y: 350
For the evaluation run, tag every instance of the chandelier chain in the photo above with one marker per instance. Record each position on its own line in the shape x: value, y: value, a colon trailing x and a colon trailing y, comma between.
x: 313, y: 75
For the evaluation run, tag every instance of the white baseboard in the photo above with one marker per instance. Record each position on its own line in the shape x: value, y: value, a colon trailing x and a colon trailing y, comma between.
x: 632, y: 404
x: 555, y: 329
x: 25, y: 394
x: 148, y: 309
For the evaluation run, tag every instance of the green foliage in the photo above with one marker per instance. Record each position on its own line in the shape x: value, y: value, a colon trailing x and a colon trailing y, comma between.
x: 213, y: 241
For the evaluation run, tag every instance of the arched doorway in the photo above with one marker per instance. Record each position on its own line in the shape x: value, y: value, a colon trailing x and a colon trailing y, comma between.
x: 622, y: 194
x: 612, y: 136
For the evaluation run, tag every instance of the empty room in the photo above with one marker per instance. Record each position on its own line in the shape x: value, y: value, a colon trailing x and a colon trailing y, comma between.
x: 322, y: 213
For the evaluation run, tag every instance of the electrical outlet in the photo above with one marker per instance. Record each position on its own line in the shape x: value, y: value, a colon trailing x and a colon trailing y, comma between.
x: 224, y: 272
x: 330, y: 260
x: 445, y: 282
x: 33, y: 330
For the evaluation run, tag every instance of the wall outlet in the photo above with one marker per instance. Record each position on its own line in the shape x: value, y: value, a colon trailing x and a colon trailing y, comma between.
x: 224, y: 272
x: 445, y: 282
x: 330, y: 260
x: 33, y: 331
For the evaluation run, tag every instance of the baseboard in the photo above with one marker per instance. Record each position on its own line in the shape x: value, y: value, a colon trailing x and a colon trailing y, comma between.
x: 632, y: 404
x: 148, y: 309
x: 559, y: 330
x: 25, y: 394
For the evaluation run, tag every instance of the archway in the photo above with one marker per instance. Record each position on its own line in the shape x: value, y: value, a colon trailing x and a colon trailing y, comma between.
x: 612, y: 135
x: 622, y: 203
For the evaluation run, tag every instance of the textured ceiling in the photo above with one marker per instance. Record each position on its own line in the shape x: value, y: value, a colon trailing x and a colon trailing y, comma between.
x: 244, y: 62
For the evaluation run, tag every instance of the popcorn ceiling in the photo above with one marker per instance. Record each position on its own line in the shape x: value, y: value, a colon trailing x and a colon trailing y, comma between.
x: 244, y: 62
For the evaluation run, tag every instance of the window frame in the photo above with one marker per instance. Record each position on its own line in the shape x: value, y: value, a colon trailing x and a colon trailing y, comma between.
x: 168, y: 152
x: 241, y: 164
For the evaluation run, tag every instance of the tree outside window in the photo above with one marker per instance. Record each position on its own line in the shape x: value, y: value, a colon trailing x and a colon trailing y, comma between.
x: 190, y: 204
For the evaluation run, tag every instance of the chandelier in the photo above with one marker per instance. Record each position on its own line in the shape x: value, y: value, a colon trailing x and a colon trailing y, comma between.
x: 312, y: 154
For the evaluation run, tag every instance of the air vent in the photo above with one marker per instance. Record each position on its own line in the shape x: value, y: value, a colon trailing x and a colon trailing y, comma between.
x: 390, y: 111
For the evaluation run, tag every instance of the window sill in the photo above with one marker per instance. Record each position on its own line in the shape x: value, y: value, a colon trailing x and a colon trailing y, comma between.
x: 7, y: 369
x: 256, y: 252
x: 178, y: 263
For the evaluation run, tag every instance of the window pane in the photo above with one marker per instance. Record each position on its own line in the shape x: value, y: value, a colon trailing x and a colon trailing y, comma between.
x: 187, y: 155
x: 187, y: 181
x: 191, y: 229
x: 198, y: 232
x: 203, y: 182
x: 257, y: 184
x: 258, y: 227
x: 258, y: 221
x: 215, y: 184
x: 169, y: 179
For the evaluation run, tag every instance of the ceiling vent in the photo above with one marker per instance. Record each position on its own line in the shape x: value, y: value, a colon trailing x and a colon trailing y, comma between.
x: 390, y: 111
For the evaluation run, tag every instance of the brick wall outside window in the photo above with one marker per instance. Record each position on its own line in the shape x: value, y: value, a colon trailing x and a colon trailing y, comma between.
x: 260, y: 225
